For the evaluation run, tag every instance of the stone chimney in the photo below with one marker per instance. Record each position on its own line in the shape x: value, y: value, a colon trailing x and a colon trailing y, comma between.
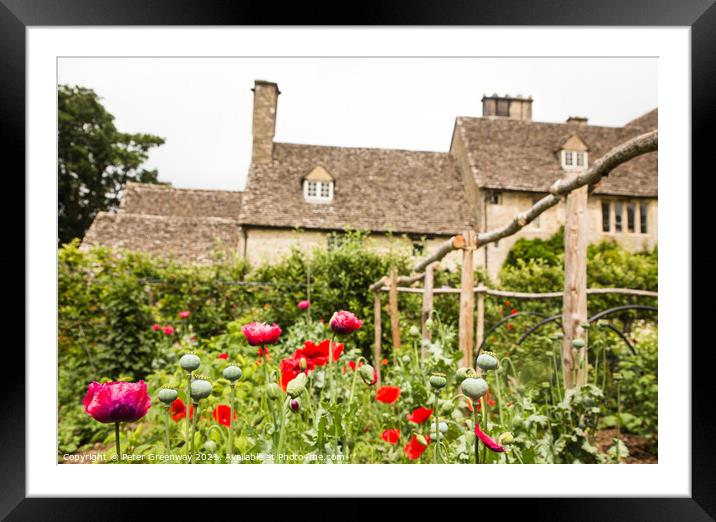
x: 515, y: 108
x: 577, y: 120
x: 264, y: 120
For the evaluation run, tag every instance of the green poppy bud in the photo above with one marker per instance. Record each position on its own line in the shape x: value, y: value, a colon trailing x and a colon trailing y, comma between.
x: 558, y: 336
x: 200, y: 389
x: 302, y: 364
x: 232, y: 373
x: 517, y: 422
x: 189, y: 362
x: 464, y: 373
x: 429, y: 323
x: 405, y: 359
x: 438, y: 381
x: 585, y: 325
x: 487, y: 361
x: 506, y: 438
x: 167, y: 395
x: 297, y: 385
x: 367, y: 373
x: 210, y: 446
x: 273, y: 390
x: 578, y: 343
x: 474, y: 387
x: 421, y: 439
x: 414, y: 331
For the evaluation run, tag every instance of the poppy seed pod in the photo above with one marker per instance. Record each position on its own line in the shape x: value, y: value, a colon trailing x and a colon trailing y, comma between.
x: 232, y: 373
x: 487, y: 361
x: 167, y: 395
x: 464, y: 373
x: 294, y: 405
x: 474, y: 387
x: 438, y: 381
x: 273, y: 390
x: 506, y: 438
x: 189, y: 362
x: 367, y: 373
x: 297, y: 385
x: 200, y: 389
x: 578, y: 343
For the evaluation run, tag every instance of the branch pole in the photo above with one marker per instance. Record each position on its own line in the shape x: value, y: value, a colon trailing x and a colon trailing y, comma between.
x: 378, y: 327
x: 467, y: 298
x: 394, y: 312
x: 427, y: 304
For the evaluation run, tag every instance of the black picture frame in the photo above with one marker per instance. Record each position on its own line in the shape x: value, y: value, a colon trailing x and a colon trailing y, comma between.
x: 699, y: 15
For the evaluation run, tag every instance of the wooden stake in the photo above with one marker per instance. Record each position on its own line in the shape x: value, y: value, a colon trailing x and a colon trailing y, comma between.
x: 427, y: 305
x: 574, y: 304
x: 393, y: 308
x: 480, y: 329
x: 378, y: 327
x: 467, y: 299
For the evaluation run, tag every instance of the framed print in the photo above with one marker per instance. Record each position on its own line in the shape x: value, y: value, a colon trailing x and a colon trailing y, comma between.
x: 395, y: 255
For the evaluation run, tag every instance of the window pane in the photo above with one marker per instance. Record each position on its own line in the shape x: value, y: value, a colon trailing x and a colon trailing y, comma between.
x: 618, y: 216
x: 311, y: 192
x: 580, y: 159
x: 325, y: 190
x: 631, y: 215
x: 568, y: 158
x: 643, y: 214
x: 606, y: 225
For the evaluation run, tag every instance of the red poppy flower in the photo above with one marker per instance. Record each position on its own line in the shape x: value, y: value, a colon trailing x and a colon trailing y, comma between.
x: 117, y: 401
x: 487, y: 441
x: 303, y: 305
x: 387, y: 394
x: 318, y: 353
x: 419, y: 415
x: 290, y: 368
x: 345, y: 323
x: 513, y: 311
x: 413, y: 449
x: 392, y: 436
x: 223, y: 356
x: 169, y: 330
x: 384, y: 362
x: 184, y: 314
x: 469, y: 404
x: 178, y: 410
x: 222, y: 414
x: 489, y: 400
x: 260, y: 334
x: 156, y: 327
x: 510, y: 326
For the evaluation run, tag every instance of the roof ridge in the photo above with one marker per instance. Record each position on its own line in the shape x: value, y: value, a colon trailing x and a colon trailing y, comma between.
x: 380, y: 149
x: 156, y: 186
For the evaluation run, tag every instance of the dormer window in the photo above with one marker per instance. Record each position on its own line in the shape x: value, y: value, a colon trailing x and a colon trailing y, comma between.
x: 573, y: 155
x: 318, y: 186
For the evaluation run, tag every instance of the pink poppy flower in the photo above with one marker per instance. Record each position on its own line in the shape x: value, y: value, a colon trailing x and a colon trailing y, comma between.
x: 487, y: 441
x: 156, y: 327
x: 169, y: 330
x: 345, y: 323
x: 117, y: 401
x: 303, y: 305
x: 260, y: 334
x: 184, y: 314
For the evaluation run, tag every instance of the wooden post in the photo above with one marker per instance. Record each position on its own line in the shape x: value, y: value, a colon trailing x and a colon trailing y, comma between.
x: 427, y: 304
x: 394, y: 313
x: 480, y: 329
x: 467, y: 298
x: 378, y: 327
x: 574, y: 305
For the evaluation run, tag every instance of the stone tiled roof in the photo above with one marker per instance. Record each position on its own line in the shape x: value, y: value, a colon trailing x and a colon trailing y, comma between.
x: 523, y: 155
x: 375, y: 189
x: 183, y: 238
x: 160, y: 200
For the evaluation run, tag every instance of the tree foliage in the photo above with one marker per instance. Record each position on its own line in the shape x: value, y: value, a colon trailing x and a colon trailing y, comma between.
x: 95, y: 160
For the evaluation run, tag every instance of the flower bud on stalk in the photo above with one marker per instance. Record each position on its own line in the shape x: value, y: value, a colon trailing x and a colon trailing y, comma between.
x: 210, y: 446
x: 506, y: 438
x: 297, y: 385
x: 421, y: 439
x: 232, y: 373
x: 367, y: 374
x: 294, y: 405
x: 273, y: 390
x: 302, y: 364
x: 487, y: 361
x: 474, y: 387
x: 167, y: 395
x: 189, y: 362
x: 414, y: 331
x: 405, y: 359
x: 464, y: 373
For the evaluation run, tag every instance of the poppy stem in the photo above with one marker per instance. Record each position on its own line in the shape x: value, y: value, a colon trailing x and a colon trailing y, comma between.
x: 231, y: 424
x: 437, y: 428
x: 116, y: 438
x: 193, y: 428
x: 187, y: 398
x: 330, y: 369
x: 166, y: 431
x: 477, y: 445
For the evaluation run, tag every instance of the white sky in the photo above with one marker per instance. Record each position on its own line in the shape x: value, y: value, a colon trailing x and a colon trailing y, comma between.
x: 202, y: 106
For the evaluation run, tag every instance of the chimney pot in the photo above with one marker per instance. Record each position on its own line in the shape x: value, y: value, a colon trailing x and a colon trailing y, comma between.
x: 577, y: 120
x: 515, y: 108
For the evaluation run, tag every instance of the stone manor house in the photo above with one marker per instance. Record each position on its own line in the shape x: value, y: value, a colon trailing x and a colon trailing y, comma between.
x: 299, y: 195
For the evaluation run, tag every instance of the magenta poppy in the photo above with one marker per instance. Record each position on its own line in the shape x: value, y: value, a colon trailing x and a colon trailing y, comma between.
x: 414, y: 448
x: 303, y: 305
x: 260, y: 334
x: 156, y: 327
x: 169, y: 330
x: 419, y: 415
x: 487, y: 441
x: 184, y: 314
x: 222, y: 414
x: 392, y: 436
x: 178, y: 410
x: 345, y: 323
x: 117, y: 401
x: 387, y: 394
